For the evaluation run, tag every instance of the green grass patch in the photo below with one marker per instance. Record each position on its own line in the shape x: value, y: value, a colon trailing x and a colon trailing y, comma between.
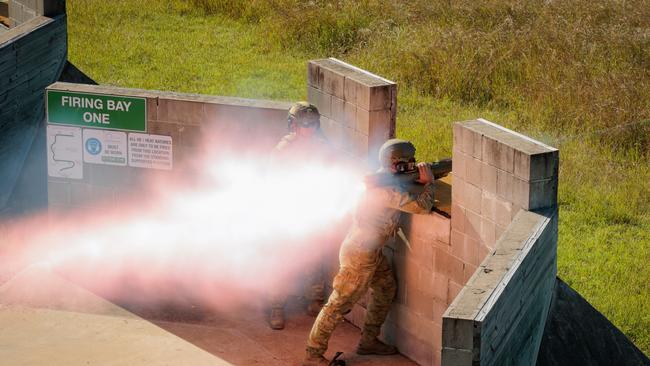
x: 565, y: 73
x: 119, y: 43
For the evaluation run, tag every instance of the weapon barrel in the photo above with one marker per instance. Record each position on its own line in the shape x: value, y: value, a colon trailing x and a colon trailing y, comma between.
x: 439, y: 168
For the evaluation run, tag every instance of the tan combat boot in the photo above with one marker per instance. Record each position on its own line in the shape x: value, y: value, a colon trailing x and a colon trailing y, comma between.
x: 277, y: 318
x: 314, y: 358
x: 374, y: 346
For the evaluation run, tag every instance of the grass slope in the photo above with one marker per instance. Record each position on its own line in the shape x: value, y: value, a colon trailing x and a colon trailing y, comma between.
x: 564, y: 73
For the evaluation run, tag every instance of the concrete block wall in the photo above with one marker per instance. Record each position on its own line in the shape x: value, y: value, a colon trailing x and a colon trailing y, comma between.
x: 496, y: 172
x: 504, y: 215
x: 358, y: 109
x: 192, y: 121
x: 21, y: 11
x: 32, y: 56
x: 499, y: 316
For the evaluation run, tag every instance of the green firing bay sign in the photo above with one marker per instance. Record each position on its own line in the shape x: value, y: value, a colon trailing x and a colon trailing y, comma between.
x: 97, y: 110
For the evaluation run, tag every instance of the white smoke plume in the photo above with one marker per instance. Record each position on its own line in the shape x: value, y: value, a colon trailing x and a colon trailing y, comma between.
x: 241, y: 231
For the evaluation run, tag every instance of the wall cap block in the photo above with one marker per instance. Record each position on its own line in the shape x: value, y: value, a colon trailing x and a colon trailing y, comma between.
x: 23, y: 29
x: 232, y: 101
x: 350, y: 71
x: 508, y: 137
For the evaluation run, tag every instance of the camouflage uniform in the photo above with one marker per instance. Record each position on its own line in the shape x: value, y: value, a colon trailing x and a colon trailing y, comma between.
x: 293, y: 150
x: 363, y: 265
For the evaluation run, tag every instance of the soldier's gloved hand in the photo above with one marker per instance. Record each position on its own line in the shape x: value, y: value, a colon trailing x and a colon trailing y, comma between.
x: 426, y: 175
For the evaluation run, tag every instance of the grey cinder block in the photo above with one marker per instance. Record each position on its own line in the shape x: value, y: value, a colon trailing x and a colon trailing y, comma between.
x: 321, y: 100
x: 333, y: 83
x: 314, y: 77
x: 489, y: 178
x: 505, y: 185
x: 498, y: 154
x: 472, y: 197
x: 338, y: 110
x: 350, y: 115
x: 472, y: 223
x: 31, y: 4
x: 488, y: 232
x: 456, y: 357
x: 380, y: 122
x: 532, y: 167
x: 457, y: 333
x: 458, y: 163
x: 473, y: 171
x: 350, y: 90
x: 543, y: 193
x: 488, y: 205
x: 458, y: 217
x: 362, y: 121
x: 467, y: 140
x: 312, y: 95
x: 381, y: 97
x: 15, y: 12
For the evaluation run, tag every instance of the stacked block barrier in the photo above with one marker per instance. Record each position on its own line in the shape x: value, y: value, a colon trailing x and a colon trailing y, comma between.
x: 22, y: 11
x: 504, y: 215
x: 358, y: 109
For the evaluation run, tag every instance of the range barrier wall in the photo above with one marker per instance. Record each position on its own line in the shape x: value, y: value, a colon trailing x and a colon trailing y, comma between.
x: 504, y: 213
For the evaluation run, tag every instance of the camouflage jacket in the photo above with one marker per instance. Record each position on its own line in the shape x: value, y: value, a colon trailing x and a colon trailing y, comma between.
x: 378, y: 213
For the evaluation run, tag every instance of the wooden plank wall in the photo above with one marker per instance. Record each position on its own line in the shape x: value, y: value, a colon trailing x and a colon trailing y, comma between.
x: 32, y: 56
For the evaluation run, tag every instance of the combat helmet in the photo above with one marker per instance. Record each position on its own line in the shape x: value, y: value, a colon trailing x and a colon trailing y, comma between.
x: 303, y: 114
x: 397, y: 153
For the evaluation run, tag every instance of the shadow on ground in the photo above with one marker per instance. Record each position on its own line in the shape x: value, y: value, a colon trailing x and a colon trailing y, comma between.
x: 578, y: 334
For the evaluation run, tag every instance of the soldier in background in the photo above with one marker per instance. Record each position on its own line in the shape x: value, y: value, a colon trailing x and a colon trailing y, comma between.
x: 362, y: 263
x: 304, y: 143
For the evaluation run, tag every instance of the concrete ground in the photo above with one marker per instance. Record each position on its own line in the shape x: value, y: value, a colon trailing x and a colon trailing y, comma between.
x: 45, y: 319
x: 245, y: 338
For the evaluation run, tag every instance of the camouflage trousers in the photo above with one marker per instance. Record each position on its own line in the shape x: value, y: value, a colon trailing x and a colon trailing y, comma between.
x: 360, y: 269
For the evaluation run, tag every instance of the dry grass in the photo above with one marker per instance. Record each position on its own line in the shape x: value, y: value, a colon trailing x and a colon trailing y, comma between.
x: 578, y: 65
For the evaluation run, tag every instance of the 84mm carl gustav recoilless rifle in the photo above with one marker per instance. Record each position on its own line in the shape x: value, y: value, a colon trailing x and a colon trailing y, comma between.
x: 439, y: 168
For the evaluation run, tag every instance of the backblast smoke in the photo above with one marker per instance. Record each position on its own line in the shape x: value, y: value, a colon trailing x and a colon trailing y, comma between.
x: 245, y: 229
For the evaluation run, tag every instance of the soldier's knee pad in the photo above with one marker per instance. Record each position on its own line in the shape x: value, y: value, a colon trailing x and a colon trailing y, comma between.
x: 347, y: 283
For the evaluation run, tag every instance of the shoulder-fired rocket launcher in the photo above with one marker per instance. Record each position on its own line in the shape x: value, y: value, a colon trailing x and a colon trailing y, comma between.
x: 439, y: 168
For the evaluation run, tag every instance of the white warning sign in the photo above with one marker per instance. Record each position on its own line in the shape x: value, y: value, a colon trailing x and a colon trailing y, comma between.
x: 150, y: 151
x: 64, y: 152
x: 104, y: 147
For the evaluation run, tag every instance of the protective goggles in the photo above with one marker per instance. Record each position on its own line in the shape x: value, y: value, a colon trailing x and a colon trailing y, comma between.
x: 405, y: 166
